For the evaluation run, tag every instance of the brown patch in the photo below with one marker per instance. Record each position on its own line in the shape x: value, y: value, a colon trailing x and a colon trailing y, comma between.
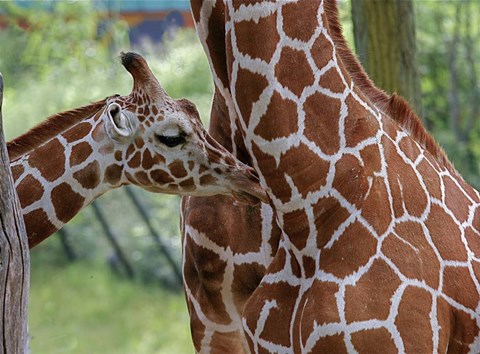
x: 375, y: 208
x: 227, y: 342
x: 300, y: 19
x: 216, y: 42
x: 146, y: 111
x: 390, y: 128
x: 409, y: 148
x: 191, y: 165
x: 306, y: 169
x: 89, y: 176
x: 419, y: 262
x: 230, y: 58
x: 319, y: 305
x: 113, y: 174
x: 476, y: 219
x: 476, y: 269
x: 329, y: 215
x: 246, y: 278
x: 458, y: 284
x: 204, y: 272
x: 370, y: 297
x: 248, y: 88
x: 456, y: 200
x: 251, y: 37
x: 49, y: 159
x: 208, y: 180
x: 473, y: 240
x: 17, y: 171
x: 322, y: 128
x: 98, y: 133
x: 322, y: 51
x: 66, y: 201
x: 147, y: 160
x: 29, y: 191
x: 80, y: 153
x: 371, y: 159
x: 295, y: 225
x: 237, y: 219
x: 360, y: 124
x: 277, y: 328
x: 373, y: 340
x: 413, y: 320
x: 135, y: 161
x: 404, y: 183
x: 273, y: 176
x: 430, y: 179
x: 78, y: 132
x: 106, y: 149
x: 330, y: 344
x: 295, y: 267
x: 468, y: 189
x: 350, y: 252
x: 293, y: 70
x: 464, y: 330
x: 38, y: 226
x: 445, y: 324
x: 118, y: 155
x: 188, y: 184
x: 277, y: 107
x: 161, y: 177
x: 177, y: 169
x: 139, y: 142
x: 309, y: 266
x: 332, y: 81
x: 142, y: 178
x: 350, y: 180
x: 130, y: 150
x: 445, y: 235
x: 278, y: 263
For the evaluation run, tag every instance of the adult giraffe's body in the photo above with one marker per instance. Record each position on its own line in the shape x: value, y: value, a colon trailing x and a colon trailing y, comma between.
x: 147, y: 139
x: 380, y: 248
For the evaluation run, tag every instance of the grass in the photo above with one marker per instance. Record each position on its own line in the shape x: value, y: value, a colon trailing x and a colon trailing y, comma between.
x: 83, y: 308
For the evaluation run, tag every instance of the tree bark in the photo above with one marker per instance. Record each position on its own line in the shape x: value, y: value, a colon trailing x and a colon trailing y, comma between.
x: 384, y: 32
x: 14, y: 258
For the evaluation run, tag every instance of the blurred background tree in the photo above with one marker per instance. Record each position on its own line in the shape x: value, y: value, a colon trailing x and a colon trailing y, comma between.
x: 384, y: 32
x: 58, y: 55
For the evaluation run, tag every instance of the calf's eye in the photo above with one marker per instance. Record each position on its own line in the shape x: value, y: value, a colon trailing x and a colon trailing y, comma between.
x: 171, y: 141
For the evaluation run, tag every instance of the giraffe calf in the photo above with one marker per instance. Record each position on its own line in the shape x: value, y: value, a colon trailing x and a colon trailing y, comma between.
x: 146, y: 138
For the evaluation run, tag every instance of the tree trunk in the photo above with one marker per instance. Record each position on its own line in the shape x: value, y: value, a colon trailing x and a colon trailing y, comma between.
x: 14, y: 259
x: 384, y: 32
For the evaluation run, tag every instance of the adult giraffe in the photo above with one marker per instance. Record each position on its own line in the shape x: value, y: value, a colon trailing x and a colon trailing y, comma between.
x: 147, y: 139
x: 380, y: 247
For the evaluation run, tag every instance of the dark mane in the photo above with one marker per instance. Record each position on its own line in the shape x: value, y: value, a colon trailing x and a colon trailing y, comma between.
x: 49, y: 128
x: 394, y: 106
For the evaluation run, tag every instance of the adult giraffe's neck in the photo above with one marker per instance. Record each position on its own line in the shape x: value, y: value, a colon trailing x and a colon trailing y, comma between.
x: 306, y: 124
x: 60, y: 176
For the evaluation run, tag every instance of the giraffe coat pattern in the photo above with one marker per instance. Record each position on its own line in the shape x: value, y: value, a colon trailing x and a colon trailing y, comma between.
x: 372, y: 244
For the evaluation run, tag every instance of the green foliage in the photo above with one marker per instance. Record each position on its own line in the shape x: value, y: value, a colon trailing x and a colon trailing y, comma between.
x: 66, y: 35
x: 85, y: 309
x: 448, y: 36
